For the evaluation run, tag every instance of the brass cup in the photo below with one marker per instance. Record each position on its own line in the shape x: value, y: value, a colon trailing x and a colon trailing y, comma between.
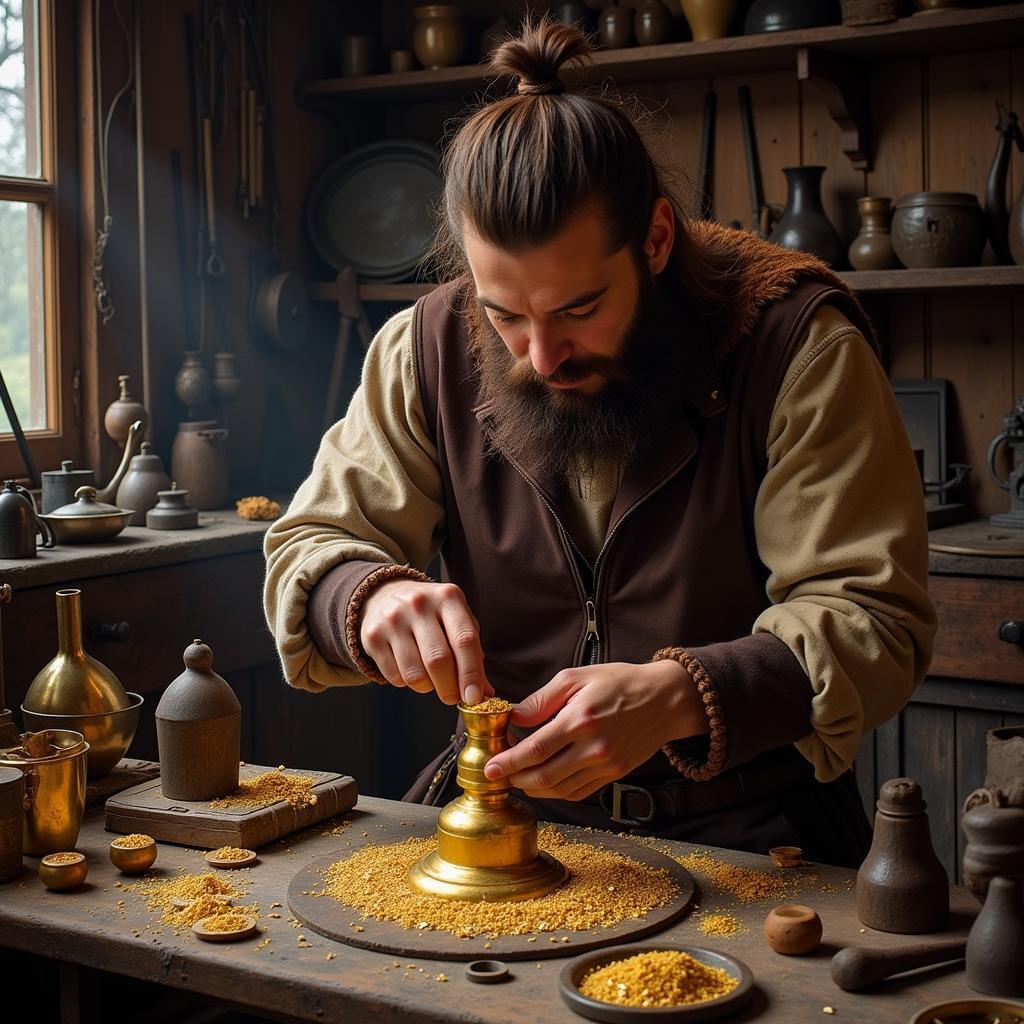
x: 110, y: 733
x: 133, y: 860
x: 486, y: 838
x: 61, y: 877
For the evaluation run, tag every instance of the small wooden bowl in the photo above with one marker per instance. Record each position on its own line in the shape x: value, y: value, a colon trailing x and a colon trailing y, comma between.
x: 61, y: 877
x: 793, y: 929
x: 133, y: 860
x: 216, y: 862
x: 786, y: 856
x: 206, y: 935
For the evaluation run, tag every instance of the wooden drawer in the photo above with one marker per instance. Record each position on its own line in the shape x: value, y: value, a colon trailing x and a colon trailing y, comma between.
x: 970, y: 610
x: 216, y: 599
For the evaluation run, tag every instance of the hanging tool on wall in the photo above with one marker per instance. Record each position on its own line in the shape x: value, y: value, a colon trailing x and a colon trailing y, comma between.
x: 763, y: 215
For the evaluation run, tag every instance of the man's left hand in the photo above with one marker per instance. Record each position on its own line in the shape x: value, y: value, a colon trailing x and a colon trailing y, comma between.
x: 605, y: 721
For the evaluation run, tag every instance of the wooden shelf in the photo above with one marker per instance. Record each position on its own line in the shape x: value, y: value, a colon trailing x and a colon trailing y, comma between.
x: 942, y: 31
x: 941, y: 279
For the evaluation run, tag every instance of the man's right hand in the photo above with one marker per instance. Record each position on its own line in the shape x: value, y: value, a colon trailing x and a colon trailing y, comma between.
x: 423, y: 635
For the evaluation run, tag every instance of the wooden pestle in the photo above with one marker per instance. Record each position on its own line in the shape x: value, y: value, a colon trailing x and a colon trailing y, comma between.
x: 857, y: 967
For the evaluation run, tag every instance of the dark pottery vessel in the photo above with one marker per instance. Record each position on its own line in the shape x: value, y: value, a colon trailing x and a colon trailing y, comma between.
x: 938, y: 229
x: 652, y: 23
x: 804, y: 224
x: 995, y: 840
x: 19, y: 524
x: 995, y: 945
x: 872, y: 248
x: 575, y: 14
x: 786, y: 15
x: 901, y: 886
x: 1004, y: 762
x: 615, y: 25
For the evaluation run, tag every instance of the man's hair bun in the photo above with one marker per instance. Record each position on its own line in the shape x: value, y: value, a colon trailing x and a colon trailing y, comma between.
x: 537, y: 54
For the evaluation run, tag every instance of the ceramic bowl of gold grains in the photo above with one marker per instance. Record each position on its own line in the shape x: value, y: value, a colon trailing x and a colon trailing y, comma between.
x: 62, y: 871
x: 641, y: 983
x: 133, y: 854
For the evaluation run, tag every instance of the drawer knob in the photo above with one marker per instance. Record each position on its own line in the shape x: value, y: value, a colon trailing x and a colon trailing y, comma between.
x: 1012, y: 632
x: 109, y: 632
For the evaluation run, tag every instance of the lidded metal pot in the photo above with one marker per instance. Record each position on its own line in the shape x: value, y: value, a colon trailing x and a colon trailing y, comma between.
x: 199, y: 463
x: 198, y: 731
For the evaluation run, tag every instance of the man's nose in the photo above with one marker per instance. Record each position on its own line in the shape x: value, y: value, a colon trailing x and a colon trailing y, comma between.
x: 547, y: 351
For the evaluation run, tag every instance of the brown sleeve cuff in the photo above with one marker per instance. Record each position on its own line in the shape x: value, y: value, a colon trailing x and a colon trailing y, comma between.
x: 332, y: 612
x: 355, y: 607
x: 682, y: 754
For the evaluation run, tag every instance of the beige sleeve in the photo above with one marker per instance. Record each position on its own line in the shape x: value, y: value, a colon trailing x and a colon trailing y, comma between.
x: 374, y: 495
x: 840, y: 524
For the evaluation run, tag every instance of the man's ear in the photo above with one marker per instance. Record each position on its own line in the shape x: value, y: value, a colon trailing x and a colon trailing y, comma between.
x: 661, y: 234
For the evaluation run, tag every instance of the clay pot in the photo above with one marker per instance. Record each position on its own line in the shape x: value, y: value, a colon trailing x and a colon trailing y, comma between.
x: 199, y: 463
x: 793, y: 929
x: 226, y: 382
x: 1004, y: 762
x: 652, y: 23
x: 995, y: 840
x: 575, y: 14
x: 939, y: 229
x: 872, y: 248
x: 141, y: 484
x: 615, y: 24
x: 804, y: 224
x: 995, y: 945
x: 192, y: 381
x: 439, y: 38
x: 901, y: 886
x: 787, y: 15
x: 709, y: 19
x: 123, y: 412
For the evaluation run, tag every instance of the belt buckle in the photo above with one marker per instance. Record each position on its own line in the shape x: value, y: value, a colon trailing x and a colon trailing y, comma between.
x: 618, y: 791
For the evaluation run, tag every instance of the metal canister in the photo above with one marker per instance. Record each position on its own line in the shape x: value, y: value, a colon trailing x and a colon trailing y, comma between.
x: 12, y: 795
x: 54, y: 793
x: 59, y: 485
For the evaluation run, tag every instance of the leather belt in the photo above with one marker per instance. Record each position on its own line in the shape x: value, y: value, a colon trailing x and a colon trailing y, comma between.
x: 656, y: 803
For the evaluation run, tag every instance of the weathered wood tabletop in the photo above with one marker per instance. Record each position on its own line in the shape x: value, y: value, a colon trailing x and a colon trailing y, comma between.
x: 285, y: 979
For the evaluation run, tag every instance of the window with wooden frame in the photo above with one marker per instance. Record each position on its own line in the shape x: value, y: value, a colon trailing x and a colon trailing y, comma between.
x: 38, y: 220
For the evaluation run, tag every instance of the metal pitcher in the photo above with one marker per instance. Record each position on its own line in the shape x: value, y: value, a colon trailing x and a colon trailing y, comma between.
x: 19, y: 523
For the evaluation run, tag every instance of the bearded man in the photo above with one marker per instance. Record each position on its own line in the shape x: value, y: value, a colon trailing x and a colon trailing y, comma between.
x: 679, y: 521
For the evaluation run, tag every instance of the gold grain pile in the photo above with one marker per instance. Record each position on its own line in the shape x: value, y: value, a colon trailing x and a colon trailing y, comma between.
x: 207, y: 893
x: 230, y: 853
x: 746, y: 884
x: 257, y: 507
x: 491, y: 705
x: 225, y: 922
x: 135, y: 841
x: 603, y: 889
x: 658, y: 979
x: 722, y: 925
x: 62, y: 858
x: 269, y: 788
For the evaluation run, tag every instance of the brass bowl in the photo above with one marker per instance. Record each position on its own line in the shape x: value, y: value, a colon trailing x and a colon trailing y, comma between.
x: 109, y: 734
x: 60, y: 877
x: 133, y: 860
x: 88, y: 529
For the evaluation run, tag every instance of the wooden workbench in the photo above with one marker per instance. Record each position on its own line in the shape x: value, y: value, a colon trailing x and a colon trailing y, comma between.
x: 286, y: 982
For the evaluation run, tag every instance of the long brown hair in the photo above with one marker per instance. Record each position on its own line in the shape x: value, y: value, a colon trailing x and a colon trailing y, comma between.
x: 518, y: 167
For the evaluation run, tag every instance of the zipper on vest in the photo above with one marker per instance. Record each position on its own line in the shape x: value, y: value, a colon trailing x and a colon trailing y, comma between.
x: 592, y: 641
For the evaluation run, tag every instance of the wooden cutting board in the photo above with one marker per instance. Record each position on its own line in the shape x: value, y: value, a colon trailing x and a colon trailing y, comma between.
x: 144, y: 808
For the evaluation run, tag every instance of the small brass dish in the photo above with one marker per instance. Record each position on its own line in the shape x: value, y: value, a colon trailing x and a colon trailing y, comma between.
x: 787, y: 856
x: 61, y: 877
x: 133, y: 860
x: 971, y: 1010
x: 208, y: 935
x: 224, y: 863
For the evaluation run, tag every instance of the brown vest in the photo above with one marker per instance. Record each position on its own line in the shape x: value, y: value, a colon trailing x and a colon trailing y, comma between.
x: 679, y: 565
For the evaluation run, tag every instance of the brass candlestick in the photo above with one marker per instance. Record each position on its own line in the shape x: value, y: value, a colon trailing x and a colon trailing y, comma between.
x: 486, y: 838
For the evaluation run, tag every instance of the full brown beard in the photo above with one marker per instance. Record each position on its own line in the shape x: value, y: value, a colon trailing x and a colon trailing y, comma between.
x: 568, y: 433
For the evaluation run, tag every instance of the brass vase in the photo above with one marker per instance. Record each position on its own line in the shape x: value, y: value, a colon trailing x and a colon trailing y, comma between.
x: 486, y: 838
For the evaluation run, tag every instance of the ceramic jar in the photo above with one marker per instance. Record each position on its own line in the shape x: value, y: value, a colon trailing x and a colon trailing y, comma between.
x: 199, y: 463
x: 172, y: 512
x: 995, y: 840
x: 59, y: 485
x: 123, y: 412
x: 198, y: 731
x: 615, y: 25
x: 939, y: 229
x: 901, y: 886
x: 192, y: 381
x: 141, y: 484
x: 709, y: 19
x: 872, y: 248
x: 804, y: 224
x: 793, y: 929
x: 439, y: 38
x: 995, y: 945
x: 652, y: 23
